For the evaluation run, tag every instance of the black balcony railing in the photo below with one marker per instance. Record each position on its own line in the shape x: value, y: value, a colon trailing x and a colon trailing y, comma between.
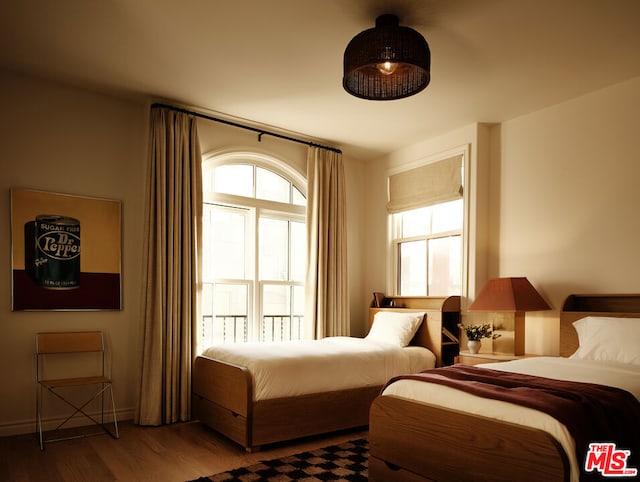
x: 235, y: 328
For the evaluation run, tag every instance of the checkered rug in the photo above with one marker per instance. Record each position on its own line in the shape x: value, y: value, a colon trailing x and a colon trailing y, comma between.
x: 343, y: 462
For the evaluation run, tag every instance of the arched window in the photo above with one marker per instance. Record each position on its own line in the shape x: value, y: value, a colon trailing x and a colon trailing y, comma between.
x: 254, y: 249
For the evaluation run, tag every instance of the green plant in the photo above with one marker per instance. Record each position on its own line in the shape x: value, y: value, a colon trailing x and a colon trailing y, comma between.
x: 478, y: 332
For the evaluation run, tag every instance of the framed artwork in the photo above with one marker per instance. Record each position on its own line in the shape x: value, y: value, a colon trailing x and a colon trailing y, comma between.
x: 65, y: 252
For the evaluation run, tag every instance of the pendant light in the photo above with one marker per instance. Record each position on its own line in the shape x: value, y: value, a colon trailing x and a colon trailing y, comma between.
x: 386, y: 62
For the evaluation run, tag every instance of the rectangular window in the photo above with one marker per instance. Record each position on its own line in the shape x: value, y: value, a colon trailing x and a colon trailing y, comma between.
x: 225, y: 255
x: 274, y: 249
x: 444, y: 266
x: 428, y: 250
x: 282, y: 270
x: 413, y: 267
x: 244, y: 302
x: 227, y: 291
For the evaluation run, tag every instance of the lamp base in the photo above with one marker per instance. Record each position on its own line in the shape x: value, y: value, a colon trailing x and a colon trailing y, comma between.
x: 510, y: 327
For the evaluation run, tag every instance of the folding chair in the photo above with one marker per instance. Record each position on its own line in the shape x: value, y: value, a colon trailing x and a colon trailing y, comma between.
x: 69, y: 344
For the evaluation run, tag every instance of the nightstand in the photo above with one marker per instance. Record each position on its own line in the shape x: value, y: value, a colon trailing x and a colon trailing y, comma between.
x: 467, y: 358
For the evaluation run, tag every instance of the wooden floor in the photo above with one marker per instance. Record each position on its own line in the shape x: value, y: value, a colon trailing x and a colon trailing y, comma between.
x: 173, y: 453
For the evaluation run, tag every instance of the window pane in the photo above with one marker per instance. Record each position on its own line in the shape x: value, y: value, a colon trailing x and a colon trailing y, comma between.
x: 225, y: 313
x: 274, y: 249
x: 297, y: 317
x: 234, y: 179
x: 416, y: 222
x: 275, y: 300
x: 271, y: 186
x: 412, y: 265
x: 224, y: 251
x: 298, y: 301
x: 298, y: 197
x: 298, y: 251
x: 230, y: 299
x: 447, y: 216
x: 445, y: 266
x: 276, y: 303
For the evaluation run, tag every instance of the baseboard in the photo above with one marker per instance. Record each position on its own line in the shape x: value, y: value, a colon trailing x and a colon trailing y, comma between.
x: 29, y: 426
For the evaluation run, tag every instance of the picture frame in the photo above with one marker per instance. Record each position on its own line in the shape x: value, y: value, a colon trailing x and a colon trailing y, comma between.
x: 66, y: 251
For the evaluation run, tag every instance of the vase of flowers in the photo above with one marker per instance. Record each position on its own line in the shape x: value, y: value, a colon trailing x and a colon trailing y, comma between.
x: 475, y: 334
x: 474, y: 346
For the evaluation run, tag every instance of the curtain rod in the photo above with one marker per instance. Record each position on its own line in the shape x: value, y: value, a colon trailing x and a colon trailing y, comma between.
x: 261, y: 132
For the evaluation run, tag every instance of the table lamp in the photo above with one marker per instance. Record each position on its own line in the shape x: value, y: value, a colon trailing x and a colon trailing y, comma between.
x: 515, y: 295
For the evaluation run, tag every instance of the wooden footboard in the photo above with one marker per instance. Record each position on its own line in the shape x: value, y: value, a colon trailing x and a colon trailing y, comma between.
x: 417, y: 441
x: 222, y: 395
x: 223, y: 400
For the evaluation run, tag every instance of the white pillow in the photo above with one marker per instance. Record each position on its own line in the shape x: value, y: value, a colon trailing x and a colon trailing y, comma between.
x: 608, y: 339
x: 395, y: 327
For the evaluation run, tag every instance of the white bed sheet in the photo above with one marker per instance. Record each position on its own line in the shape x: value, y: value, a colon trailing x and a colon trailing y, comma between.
x: 291, y: 368
x: 619, y: 375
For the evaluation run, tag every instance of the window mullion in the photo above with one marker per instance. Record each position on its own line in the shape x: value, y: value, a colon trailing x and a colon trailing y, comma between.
x: 426, y: 266
x: 257, y: 282
x: 289, y: 254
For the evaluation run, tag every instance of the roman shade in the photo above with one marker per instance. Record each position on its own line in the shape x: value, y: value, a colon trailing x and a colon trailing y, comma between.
x: 425, y: 185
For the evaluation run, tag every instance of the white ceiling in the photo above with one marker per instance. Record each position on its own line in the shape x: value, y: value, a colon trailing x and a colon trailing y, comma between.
x: 279, y: 62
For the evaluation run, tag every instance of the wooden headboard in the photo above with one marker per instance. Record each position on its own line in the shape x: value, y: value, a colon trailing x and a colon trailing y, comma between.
x: 443, y: 316
x: 576, y: 307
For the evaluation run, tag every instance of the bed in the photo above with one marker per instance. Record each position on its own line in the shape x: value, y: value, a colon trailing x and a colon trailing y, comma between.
x: 243, y: 397
x: 418, y: 431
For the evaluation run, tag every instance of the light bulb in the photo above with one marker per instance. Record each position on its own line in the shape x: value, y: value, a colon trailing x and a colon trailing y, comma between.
x: 387, y: 68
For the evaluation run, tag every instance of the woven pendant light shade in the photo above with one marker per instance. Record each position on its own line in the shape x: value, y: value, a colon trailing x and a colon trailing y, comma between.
x: 386, y: 62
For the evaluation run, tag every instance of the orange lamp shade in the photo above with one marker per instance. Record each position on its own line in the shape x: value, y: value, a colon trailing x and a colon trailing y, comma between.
x: 509, y: 294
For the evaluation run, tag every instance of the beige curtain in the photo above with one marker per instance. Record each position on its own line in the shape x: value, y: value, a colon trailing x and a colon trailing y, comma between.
x: 327, y: 295
x: 172, y: 252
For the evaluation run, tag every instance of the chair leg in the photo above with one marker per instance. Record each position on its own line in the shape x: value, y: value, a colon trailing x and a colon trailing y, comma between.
x: 39, y: 415
x: 113, y: 408
x: 79, y: 410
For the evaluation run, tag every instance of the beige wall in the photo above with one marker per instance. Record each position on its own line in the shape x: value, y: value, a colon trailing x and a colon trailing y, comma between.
x: 66, y: 140
x: 565, y: 201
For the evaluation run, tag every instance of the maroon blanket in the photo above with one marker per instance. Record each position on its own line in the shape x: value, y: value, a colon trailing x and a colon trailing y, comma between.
x: 591, y: 412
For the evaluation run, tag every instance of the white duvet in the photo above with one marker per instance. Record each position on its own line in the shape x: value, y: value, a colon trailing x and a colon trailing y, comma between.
x: 625, y: 376
x: 291, y: 368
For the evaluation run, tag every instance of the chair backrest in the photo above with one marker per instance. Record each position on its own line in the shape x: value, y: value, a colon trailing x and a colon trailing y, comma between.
x: 69, y: 342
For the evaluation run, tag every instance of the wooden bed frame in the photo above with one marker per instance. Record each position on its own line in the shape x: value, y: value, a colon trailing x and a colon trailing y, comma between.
x: 223, y: 392
x: 416, y: 441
